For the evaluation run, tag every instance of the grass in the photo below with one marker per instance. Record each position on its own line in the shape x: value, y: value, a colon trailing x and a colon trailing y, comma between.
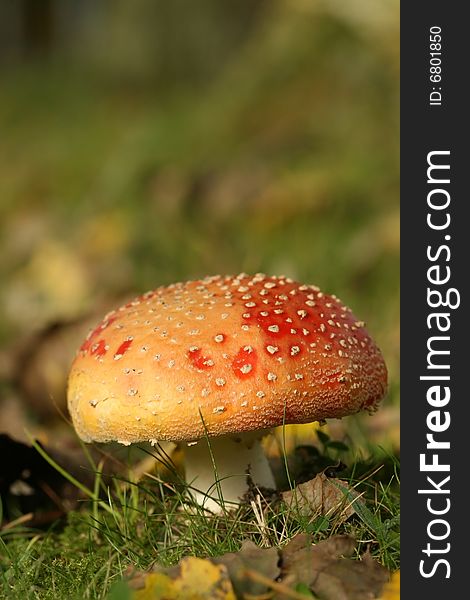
x: 284, y: 161
x: 133, y: 524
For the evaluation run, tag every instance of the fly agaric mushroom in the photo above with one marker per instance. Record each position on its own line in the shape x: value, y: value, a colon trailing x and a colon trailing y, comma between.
x: 223, y: 358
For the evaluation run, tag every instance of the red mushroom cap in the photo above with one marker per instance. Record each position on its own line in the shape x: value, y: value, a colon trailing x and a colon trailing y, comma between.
x: 222, y: 355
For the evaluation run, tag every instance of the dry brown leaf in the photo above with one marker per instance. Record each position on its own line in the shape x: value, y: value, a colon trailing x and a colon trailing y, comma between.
x: 322, y: 496
x: 252, y: 558
x: 328, y: 572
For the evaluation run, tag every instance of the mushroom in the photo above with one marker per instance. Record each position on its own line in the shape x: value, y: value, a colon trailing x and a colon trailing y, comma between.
x: 217, y: 363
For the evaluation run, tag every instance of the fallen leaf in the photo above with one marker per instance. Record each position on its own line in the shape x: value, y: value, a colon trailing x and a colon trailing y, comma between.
x: 322, y: 496
x: 300, y: 569
x: 328, y: 572
x: 193, y: 579
x: 252, y: 558
x: 156, y: 585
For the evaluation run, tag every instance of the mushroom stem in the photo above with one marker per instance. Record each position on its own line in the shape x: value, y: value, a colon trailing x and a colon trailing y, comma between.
x: 234, y: 458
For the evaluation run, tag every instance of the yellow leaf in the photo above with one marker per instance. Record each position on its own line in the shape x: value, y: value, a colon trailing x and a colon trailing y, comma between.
x: 391, y: 590
x: 157, y: 585
x: 193, y: 579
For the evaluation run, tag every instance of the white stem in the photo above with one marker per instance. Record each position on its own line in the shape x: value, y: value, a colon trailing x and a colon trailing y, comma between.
x: 233, y: 459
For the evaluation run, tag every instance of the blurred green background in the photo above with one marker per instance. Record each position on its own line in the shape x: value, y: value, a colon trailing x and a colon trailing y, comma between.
x: 144, y: 142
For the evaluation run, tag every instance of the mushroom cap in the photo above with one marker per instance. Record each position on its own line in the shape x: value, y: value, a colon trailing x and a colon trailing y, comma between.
x: 222, y: 355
